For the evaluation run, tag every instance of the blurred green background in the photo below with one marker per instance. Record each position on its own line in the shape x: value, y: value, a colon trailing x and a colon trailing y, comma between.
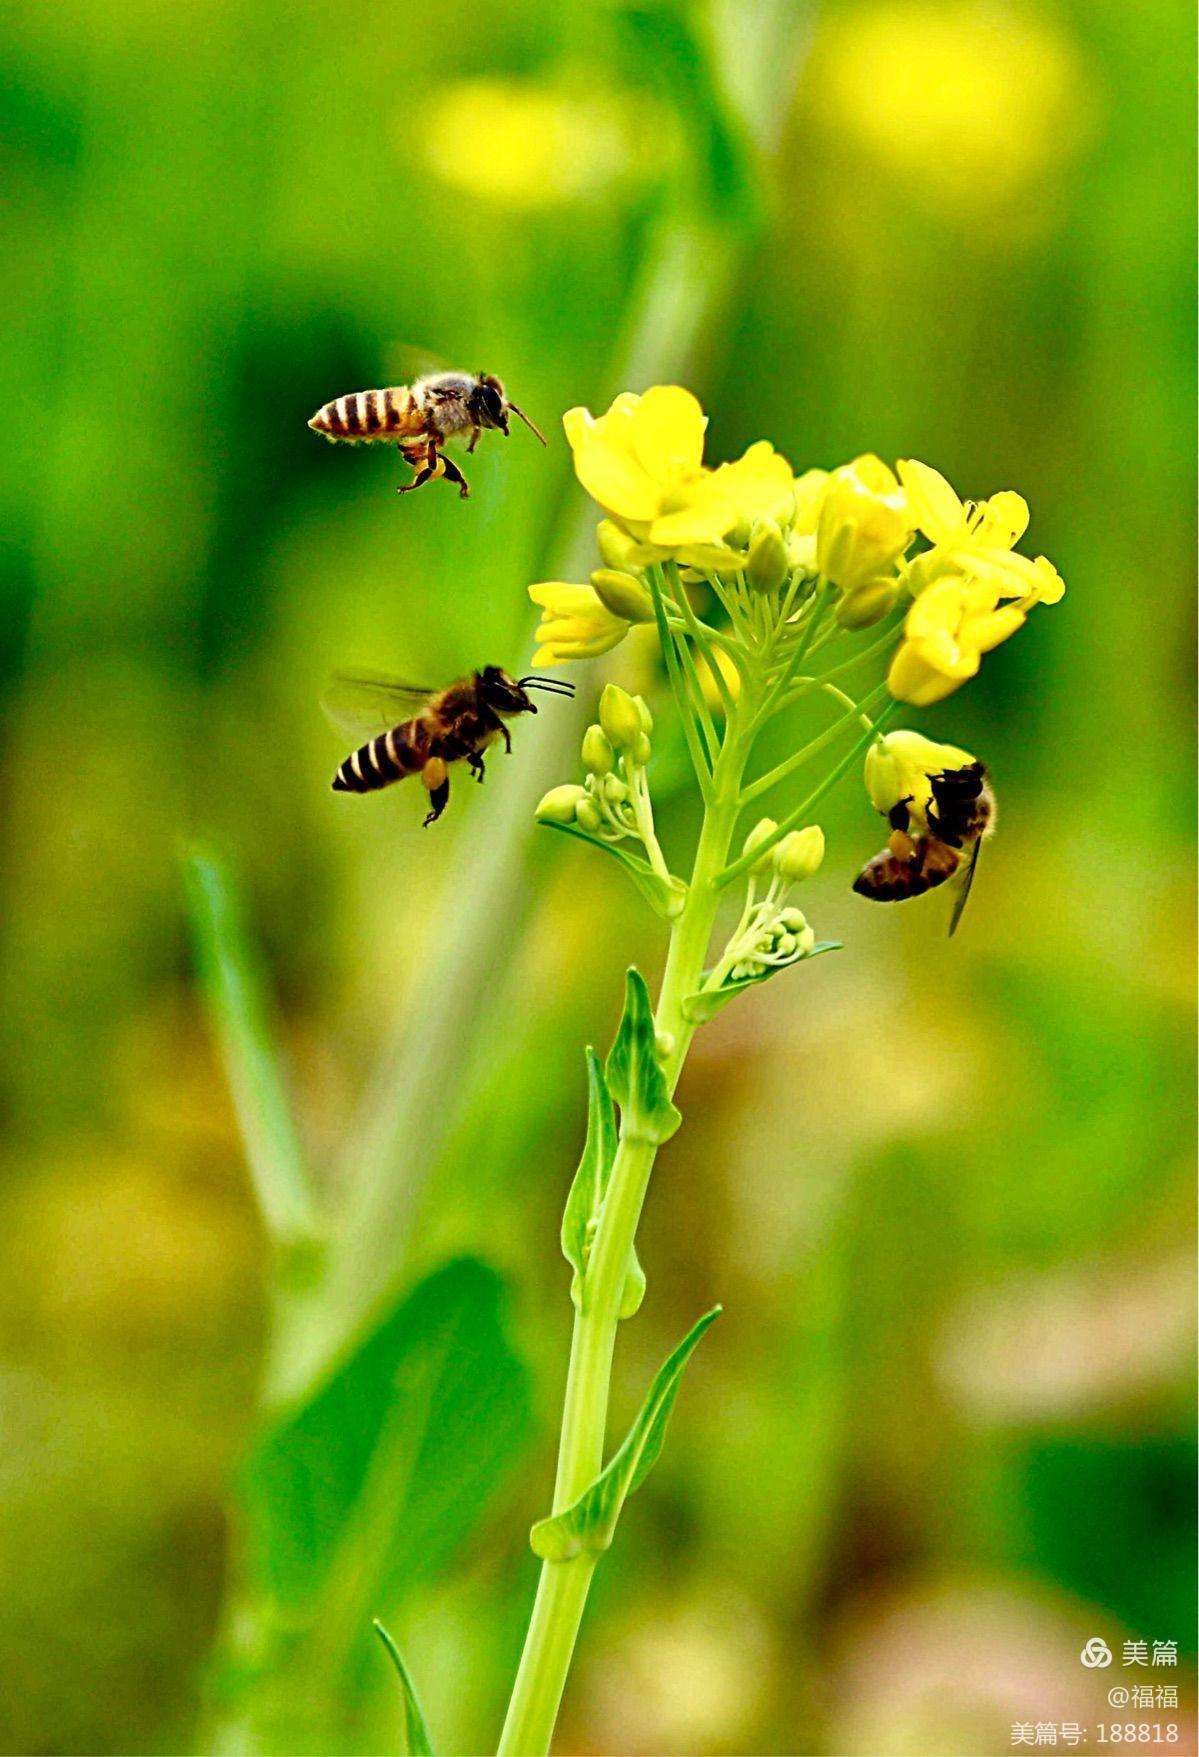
x: 943, y: 1433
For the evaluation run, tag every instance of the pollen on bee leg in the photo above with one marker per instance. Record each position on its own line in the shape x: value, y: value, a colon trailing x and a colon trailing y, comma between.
x: 901, y: 845
x: 433, y: 774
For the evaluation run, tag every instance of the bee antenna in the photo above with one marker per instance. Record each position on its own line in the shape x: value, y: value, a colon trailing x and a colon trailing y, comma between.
x: 532, y: 425
x: 553, y: 685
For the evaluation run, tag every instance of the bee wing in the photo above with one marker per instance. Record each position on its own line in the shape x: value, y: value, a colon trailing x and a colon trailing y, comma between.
x: 367, y: 702
x: 963, y: 890
x: 411, y: 360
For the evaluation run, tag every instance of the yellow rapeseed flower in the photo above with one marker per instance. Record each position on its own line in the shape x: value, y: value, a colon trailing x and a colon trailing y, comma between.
x: 899, y: 770
x: 642, y: 462
x: 949, y: 627
x: 975, y: 538
x: 575, y: 623
x: 863, y: 528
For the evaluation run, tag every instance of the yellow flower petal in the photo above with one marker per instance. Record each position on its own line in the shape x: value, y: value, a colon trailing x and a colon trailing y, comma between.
x: 935, y: 508
x: 1003, y: 519
x: 667, y: 432
x: 613, y: 477
x: 565, y: 599
x: 910, y: 679
x: 809, y: 497
x: 985, y: 632
x: 1050, y: 586
x: 760, y: 484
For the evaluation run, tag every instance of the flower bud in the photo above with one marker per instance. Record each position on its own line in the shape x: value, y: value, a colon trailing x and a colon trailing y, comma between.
x: 587, y: 815
x: 866, y: 604
x: 615, y: 545
x: 642, y: 749
x: 766, y: 563
x: 761, y: 831
x: 559, y: 805
x: 799, y: 855
x: 615, y: 789
x: 803, y: 935
x: 864, y: 523
x: 623, y: 594
x: 598, y: 756
x: 619, y: 715
x: 647, y: 719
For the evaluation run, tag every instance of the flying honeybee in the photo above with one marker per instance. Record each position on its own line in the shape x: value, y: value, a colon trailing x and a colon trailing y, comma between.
x: 959, y: 815
x: 421, y: 417
x: 452, y: 724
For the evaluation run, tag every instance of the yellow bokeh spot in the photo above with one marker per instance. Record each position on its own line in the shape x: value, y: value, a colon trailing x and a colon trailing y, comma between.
x: 528, y: 144
x: 969, y: 104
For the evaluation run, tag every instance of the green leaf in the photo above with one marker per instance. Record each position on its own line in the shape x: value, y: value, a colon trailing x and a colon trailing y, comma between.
x: 417, y: 1742
x: 635, y: 1077
x: 591, y: 1179
x: 706, y: 1003
x: 373, y: 1482
x: 665, y: 899
x: 591, y: 1521
x: 586, y: 1199
x: 235, y: 997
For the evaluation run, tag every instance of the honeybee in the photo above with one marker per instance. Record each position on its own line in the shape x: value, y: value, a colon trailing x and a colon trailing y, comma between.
x: 960, y: 814
x: 421, y: 417
x: 458, y: 722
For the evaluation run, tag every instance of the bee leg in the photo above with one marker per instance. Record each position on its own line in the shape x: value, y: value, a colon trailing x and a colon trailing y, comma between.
x: 437, y: 784
x: 474, y: 439
x: 475, y: 761
x: 423, y: 470
x: 507, y: 738
x: 452, y: 473
x: 439, y: 798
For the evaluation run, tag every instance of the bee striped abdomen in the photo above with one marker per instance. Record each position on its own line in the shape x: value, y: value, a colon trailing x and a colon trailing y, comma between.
x: 368, y: 414
x: 389, y: 757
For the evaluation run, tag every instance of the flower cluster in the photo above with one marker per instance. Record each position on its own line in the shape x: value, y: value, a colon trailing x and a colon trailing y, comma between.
x: 771, y: 933
x: 759, y: 582
x: 613, y: 805
x: 877, y: 537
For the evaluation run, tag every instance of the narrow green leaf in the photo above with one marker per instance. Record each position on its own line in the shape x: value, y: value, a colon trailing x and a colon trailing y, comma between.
x: 635, y: 1077
x: 664, y: 899
x: 417, y: 1742
x: 706, y: 1003
x: 591, y: 1179
x: 234, y: 994
x: 591, y: 1521
x: 586, y: 1199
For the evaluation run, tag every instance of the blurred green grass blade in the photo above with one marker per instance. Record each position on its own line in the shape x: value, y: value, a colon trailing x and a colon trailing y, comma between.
x: 417, y: 1742
x: 667, y: 40
x: 235, y: 998
x: 372, y: 1482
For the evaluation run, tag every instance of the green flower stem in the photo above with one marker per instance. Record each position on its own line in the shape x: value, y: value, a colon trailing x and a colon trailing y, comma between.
x: 563, y: 1586
x: 802, y: 811
x: 788, y: 766
x: 699, y: 759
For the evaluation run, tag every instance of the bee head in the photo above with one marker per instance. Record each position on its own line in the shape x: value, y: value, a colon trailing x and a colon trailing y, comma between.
x: 491, y: 406
x: 510, y: 695
x: 490, y: 403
